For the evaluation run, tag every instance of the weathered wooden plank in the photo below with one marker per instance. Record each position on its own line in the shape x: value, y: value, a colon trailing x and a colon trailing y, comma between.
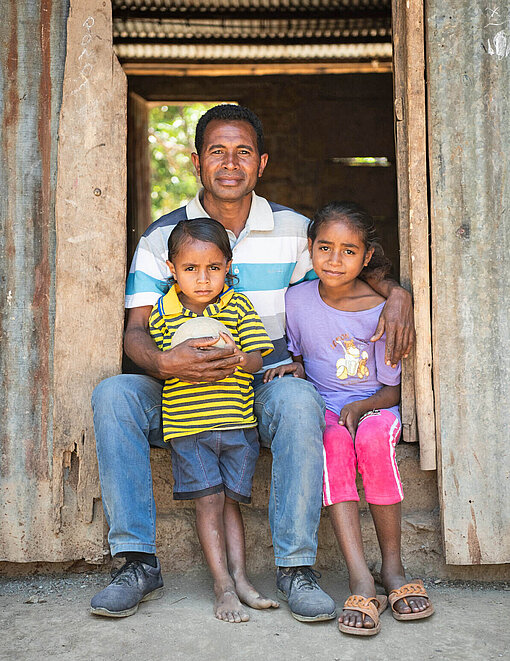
x: 185, y: 69
x: 408, y: 404
x: 139, y: 171
x: 413, y: 215
x: 469, y: 138
x: 419, y: 231
x: 90, y: 265
x: 32, y: 54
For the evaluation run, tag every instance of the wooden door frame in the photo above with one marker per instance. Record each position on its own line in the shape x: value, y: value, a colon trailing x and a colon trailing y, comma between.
x: 418, y: 416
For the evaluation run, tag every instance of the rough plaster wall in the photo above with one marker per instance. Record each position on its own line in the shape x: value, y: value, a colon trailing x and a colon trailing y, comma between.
x: 90, y: 269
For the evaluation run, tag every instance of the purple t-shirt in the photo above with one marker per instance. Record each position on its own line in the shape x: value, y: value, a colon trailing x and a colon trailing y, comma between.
x: 339, y: 358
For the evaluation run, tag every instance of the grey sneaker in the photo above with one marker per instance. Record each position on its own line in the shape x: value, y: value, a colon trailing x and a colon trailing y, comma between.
x: 132, y: 583
x: 307, y: 600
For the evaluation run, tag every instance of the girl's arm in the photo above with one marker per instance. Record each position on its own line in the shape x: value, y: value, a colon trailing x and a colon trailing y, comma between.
x: 295, y: 368
x: 384, y: 398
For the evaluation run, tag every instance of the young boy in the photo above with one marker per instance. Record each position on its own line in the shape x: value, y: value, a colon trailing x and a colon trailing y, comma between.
x: 211, y: 426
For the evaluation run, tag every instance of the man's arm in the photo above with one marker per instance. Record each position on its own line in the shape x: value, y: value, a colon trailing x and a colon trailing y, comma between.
x: 397, y: 319
x: 187, y: 361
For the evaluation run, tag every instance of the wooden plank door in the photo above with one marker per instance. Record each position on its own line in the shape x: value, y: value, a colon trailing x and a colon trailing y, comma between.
x: 411, y: 150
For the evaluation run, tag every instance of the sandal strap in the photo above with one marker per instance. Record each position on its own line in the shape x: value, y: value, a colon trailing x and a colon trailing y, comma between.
x: 414, y: 589
x: 366, y: 605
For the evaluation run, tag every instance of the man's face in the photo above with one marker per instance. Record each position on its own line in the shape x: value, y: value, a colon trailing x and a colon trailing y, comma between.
x: 229, y: 164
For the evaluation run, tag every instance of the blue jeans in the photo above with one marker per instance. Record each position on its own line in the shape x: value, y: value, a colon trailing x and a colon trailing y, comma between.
x: 127, y: 421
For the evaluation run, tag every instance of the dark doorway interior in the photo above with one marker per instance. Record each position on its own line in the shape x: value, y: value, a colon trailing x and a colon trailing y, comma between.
x: 311, y: 122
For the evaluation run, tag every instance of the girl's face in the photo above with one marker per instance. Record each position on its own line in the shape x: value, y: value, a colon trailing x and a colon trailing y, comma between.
x: 199, y: 268
x: 338, y: 253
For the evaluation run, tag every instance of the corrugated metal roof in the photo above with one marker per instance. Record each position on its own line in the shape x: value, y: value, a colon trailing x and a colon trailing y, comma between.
x: 264, y: 29
x: 253, y: 52
x: 161, y: 7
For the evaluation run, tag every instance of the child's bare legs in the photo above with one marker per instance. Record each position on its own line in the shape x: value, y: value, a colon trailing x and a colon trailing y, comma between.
x: 387, y: 520
x: 234, y: 537
x: 211, y: 533
x: 345, y: 519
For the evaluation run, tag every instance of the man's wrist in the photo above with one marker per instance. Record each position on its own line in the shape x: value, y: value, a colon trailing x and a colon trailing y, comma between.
x: 164, y: 364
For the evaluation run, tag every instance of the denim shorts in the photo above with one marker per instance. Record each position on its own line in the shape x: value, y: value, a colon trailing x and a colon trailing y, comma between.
x: 215, y: 461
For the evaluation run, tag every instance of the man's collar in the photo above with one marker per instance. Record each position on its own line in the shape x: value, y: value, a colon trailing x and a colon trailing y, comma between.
x: 169, y: 305
x: 259, y: 219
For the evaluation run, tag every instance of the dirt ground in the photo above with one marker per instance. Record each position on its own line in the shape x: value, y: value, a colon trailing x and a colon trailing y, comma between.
x: 47, y: 617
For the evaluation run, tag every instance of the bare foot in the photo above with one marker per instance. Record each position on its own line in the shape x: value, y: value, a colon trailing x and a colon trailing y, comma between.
x: 393, y: 581
x: 252, y: 597
x: 355, y: 618
x: 227, y: 606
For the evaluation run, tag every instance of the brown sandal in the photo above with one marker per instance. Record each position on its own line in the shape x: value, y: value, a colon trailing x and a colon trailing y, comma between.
x: 414, y: 589
x: 371, y: 606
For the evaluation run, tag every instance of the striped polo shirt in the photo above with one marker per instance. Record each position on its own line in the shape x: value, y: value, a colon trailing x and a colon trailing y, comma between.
x: 270, y: 254
x: 190, y: 408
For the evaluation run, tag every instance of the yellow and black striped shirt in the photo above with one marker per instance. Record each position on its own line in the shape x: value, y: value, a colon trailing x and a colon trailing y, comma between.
x: 189, y: 408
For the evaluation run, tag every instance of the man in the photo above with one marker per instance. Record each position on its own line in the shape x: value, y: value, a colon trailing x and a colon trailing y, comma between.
x: 270, y: 253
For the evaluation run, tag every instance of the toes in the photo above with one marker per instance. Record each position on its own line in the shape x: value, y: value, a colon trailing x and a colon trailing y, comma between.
x: 402, y: 607
x: 264, y: 602
x: 418, y: 605
x: 355, y: 620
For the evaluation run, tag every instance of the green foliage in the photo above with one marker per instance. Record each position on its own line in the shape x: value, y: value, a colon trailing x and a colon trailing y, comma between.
x: 171, y: 141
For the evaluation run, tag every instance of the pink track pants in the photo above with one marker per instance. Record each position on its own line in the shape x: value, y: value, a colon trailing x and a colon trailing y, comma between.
x: 372, y: 452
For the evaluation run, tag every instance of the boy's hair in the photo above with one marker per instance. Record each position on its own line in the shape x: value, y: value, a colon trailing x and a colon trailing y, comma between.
x: 229, y: 112
x: 360, y: 220
x: 199, y: 229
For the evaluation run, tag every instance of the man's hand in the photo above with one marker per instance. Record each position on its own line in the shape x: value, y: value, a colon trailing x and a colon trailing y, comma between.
x: 250, y: 361
x: 349, y: 417
x: 187, y: 361
x: 198, y: 361
x: 296, y: 369
x: 397, y: 320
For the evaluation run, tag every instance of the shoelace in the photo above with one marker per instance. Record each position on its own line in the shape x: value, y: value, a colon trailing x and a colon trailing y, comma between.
x: 305, y: 578
x: 127, y: 573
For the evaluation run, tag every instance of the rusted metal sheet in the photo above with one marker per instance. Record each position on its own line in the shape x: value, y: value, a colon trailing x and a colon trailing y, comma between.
x: 32, y: 52
x: 469, y: 130
x: 53, y: 340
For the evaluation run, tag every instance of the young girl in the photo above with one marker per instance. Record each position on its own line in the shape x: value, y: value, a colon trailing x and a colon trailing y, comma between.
x: 211, y: 426
x: 330, y: 322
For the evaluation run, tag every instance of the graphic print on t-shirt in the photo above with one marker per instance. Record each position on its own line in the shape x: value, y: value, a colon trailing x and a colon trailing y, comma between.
x: 354, y: 361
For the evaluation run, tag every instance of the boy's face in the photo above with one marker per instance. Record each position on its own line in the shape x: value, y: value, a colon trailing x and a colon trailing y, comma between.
x: 230, y: 163
x: 199, y: 268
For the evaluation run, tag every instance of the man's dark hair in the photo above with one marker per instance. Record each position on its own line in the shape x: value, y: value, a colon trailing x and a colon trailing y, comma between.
x: 229, y: 112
